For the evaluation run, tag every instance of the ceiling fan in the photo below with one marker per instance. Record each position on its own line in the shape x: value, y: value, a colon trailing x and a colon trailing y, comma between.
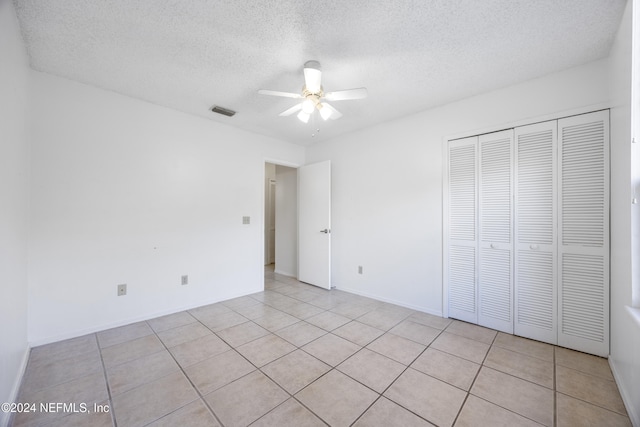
x: 314, y: 97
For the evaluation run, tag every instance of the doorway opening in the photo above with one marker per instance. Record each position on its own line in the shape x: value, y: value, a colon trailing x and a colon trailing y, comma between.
x: 281, y: 219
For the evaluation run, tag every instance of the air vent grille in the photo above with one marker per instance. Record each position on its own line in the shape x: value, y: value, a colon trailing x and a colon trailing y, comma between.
x: 223, y: 111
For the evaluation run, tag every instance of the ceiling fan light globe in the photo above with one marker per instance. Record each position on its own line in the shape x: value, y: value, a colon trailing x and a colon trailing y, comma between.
x: 303, y: 117
x: 308, y: 106
x: 325, y: 113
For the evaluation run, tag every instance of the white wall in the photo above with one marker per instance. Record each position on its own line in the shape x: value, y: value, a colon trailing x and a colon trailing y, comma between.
x: 387, y: 183
x: 14, y: 146
x: 625, y: 332
x: 128, y: 192
x: 286, y: 221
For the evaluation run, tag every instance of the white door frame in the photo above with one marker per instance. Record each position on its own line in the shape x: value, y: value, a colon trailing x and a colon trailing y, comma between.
x: 277, y: 162
x: 270, y: 217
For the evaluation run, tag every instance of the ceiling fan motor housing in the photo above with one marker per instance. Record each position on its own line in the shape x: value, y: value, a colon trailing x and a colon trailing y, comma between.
x: 312, y: 76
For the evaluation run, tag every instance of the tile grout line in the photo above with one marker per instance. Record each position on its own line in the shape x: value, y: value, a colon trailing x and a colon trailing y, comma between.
x: 335, y: 368
x: 265, y: 374
x: 556, y: 392
x: 552, y: 388
x: 592, y: 404
x: 106, y: 380
x: 241, y: 355
x: 180, y: 367
x: 164, y: 376
x: 409, y: 366
x: 505, y: 373
x: 555, y: 389
x: 466, y: 397
x: 381, y: 395
x: 99, y: 349
x: 292, y: 396
x: 332, y: 368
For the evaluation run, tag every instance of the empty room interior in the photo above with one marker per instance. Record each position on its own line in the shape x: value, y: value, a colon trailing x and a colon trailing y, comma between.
x: 305, y: 213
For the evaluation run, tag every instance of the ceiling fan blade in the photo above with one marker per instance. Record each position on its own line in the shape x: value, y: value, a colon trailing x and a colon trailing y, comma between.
x: 358, y: 93
x: 291, y: 110
x: 312, y: 76
x: 277, y: 93
x: 335, y: 114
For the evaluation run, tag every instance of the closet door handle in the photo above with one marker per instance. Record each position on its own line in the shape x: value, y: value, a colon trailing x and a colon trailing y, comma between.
x: 534, y: 247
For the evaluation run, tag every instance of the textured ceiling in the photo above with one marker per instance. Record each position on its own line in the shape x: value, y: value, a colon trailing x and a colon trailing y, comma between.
x: 411, y: 55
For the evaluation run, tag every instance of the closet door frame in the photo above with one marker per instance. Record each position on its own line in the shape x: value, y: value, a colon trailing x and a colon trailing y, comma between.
x: 558, y: 302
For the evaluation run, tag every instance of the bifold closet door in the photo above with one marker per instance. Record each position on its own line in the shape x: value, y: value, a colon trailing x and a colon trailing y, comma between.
x: 535, y: 314
x: 583, y: 299
x: 495, y: 259
x: 462, y: 219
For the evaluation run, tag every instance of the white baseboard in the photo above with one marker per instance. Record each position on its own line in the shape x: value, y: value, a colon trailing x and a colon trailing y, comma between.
x: 128, y: 321
x: 391, y: 301
x: 285, y: 273
x: 5, y: 417
x: 632, y: 411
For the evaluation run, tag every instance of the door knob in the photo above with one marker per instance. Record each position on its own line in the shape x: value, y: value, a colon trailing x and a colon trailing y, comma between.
x: 325, y: 231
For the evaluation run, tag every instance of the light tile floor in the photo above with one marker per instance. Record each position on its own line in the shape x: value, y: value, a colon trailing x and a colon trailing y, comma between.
x: 297, y: 355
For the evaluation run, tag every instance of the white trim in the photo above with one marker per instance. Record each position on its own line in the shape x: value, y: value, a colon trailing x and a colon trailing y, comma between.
x: 635, y: 152
x: 530, y: 121
x: 110, y: 325
x: 445, y: 228
x: 270, y: 202
x: 285, y: 273
x: 632, y: 411
x: 5, y: 417
x: 277, y: 162
x: 389, y: 300
x: 282, y: 163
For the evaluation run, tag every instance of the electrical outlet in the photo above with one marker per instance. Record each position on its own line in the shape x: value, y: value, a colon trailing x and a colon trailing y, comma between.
x: 122, y: 290
x: 185, y: 280
x: 359, y: 269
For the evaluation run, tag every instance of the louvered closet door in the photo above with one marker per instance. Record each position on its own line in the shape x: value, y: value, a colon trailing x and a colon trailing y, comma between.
x: 584, y: 233
x: 462, y: 257
x: 535, y: 232
x: 495, y: 277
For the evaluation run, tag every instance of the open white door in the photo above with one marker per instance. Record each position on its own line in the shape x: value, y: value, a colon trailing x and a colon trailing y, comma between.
x: 314, y: 224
